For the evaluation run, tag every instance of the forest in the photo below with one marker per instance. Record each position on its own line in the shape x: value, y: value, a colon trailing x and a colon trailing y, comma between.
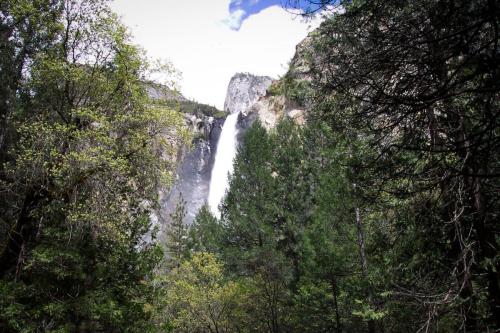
x: 380, y: 214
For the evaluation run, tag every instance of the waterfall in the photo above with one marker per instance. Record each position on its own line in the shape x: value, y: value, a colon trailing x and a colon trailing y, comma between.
x: 223, y: 165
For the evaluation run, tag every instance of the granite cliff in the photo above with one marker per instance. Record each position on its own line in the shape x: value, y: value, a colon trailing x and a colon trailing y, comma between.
x: 245, y: 89
x: 194, y: 162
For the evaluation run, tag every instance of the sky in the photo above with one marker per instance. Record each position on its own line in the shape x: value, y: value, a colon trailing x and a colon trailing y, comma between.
x: 208, y: 41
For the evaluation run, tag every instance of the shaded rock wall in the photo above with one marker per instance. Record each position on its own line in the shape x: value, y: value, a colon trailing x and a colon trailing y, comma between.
x: 192, y: 179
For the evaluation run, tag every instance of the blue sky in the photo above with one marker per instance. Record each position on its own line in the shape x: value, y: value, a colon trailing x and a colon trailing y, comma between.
x: 240, y: 10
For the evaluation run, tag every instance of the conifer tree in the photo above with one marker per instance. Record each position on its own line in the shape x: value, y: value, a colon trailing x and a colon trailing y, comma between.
x: 206, y: 233
x: 177, y: 235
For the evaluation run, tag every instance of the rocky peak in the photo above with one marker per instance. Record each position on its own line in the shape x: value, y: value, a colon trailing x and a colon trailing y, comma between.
x: 159, y: 92
x: 302, y: 61
x: 244, y: 90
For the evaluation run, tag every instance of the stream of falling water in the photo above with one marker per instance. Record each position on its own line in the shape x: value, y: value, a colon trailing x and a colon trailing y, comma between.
x: 223, y: 165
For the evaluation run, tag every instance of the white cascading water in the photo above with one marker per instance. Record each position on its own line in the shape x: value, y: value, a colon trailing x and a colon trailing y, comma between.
x: 223, y: 164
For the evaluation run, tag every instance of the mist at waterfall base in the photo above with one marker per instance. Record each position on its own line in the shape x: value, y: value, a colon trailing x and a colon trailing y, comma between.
x: 223, y: 165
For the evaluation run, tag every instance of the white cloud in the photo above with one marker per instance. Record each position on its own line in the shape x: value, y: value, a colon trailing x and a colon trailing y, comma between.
x: 207, y: 52
x: 235, y: 19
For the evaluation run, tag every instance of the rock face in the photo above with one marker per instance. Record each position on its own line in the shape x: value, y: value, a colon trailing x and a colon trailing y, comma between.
x: 244, y: 90
x: 192, y: 177
x: 247, y: 95
x: 276, y: 103
x: 270, y: 109
x: 303, y: 59
x: 158, y: 92
x: 193, y: 173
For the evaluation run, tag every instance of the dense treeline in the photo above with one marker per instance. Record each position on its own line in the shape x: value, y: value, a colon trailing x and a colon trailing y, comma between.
x: 83, y: 152
x: 381, y: 214
x: 418, y: 84
x: 378, y: 215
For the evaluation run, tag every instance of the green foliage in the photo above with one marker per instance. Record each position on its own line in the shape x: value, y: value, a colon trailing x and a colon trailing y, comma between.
x: 173, y: 99
x: 297, y: 90
x: 313, y: 305
x: 205, y: 233
x: 198, y: 299
x: 378, y: 215
x: 84, y: 155
x: 199, y: 109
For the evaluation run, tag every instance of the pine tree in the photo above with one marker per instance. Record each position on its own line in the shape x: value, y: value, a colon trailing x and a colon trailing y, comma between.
x: 415, y: 83
x: 206, y: 233
x: 177, y: 235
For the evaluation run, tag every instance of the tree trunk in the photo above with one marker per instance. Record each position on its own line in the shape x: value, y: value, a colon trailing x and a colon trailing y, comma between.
x: 362, y: 258
x: 488, y: 245
x: 12, y: 256
x: 338, y: 326
x: 489, y: 249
